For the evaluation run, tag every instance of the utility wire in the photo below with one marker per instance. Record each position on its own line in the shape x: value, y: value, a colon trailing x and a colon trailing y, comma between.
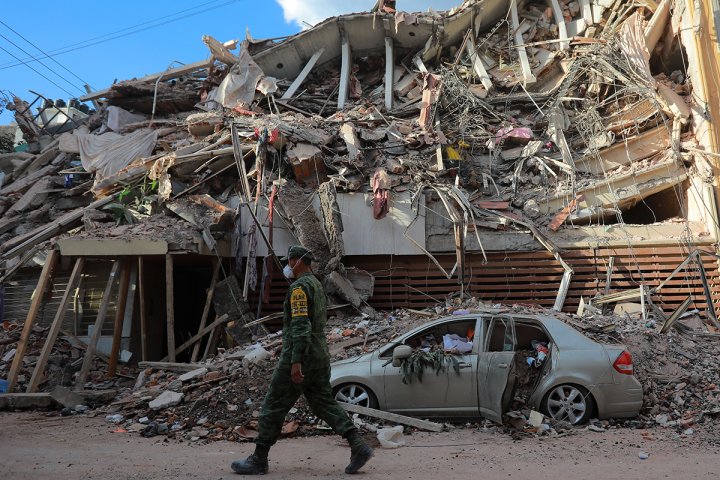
x: 101, y: 39
x: 41, y: 63
x: 44, y: 53
x: 34, y: 70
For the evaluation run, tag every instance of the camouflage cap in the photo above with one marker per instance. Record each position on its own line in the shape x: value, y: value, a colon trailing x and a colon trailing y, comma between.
x: 297, y: 251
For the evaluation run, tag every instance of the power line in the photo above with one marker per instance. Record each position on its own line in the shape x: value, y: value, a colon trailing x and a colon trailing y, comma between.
x: 43, y: 52
x: 33, y: 69
x: 39, y: 61
x: 85, y: 44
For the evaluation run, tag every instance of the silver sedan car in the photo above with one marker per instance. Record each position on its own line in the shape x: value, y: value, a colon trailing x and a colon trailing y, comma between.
x: 568, y: 377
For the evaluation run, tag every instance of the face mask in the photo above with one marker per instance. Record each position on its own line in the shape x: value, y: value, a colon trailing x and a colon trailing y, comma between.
x: 288, y: 272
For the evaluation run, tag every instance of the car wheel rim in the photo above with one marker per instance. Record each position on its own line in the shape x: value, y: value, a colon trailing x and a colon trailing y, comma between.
x: 353, y: 394
x: 567, y: 403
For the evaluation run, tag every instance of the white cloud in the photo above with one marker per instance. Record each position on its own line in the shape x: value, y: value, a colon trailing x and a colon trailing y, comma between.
x: 303, y: 12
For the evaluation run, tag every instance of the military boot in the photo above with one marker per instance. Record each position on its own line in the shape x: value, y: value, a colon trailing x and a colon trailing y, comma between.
x: 358, y: 457
x: 252, y: 465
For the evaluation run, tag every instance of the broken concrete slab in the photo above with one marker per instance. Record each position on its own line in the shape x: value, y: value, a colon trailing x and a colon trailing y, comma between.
x: 26, y: 401
x: 198, y: 372
x: 166, y: 399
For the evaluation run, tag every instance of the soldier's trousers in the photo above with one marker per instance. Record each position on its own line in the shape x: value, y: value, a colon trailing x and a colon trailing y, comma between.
x: 283, y: 394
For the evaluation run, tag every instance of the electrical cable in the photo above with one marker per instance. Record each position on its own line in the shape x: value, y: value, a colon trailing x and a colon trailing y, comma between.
x: 41, y: 63
x: 85, y: 44
x: 44, y: 53
x: 34, y: 70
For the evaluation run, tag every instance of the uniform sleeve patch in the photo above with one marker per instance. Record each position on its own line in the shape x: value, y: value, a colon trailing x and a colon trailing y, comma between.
x: 298, y: 303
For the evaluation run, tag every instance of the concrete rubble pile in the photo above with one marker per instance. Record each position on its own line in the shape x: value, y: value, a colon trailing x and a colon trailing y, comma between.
x: 221, y: 398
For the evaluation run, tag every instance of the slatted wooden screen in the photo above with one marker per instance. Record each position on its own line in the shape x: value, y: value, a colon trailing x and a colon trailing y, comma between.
x: 533, y: 277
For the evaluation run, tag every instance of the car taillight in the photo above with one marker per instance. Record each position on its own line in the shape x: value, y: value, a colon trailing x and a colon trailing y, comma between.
x: 624, y: 363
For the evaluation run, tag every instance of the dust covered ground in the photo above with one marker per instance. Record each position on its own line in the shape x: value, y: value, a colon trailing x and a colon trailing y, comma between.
x: 35, y: 445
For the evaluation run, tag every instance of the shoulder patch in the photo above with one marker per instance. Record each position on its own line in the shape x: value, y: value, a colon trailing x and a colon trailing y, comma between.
x: 298, y: 303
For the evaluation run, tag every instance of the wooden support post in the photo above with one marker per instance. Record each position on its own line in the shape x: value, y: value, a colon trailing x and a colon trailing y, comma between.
x: 389, y: 70
x: 170, y: 307
x: 143, y: 315
x: 97, y: 329
x: 119, y: 317
x: 219, y: 321
x: 212, y: 342
x: 522, y: 53
x: 208, y: 304
x: 303, y: 74
x: 345, y: 70
x: 38, y: 294
x: 39, y: 371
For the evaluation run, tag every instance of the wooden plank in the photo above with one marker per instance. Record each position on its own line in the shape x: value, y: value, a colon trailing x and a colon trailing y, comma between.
x: 170, y: 307
x: 73, y: 282
x: 303, y: 74
x: 166, y: 75
x: 219, y: 321
x: 212, y: 342
x: 97, y: 329
x: 143, y: 314
x: 392, y: 417
x: 119, y: 317
x: 478, y: 66
x: 39, y: 293
x: 175, y: 367
x: 208, y: 304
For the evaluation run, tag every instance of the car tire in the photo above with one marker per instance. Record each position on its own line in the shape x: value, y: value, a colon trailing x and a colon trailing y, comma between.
x: 356, y: 394
x: 569, y: 403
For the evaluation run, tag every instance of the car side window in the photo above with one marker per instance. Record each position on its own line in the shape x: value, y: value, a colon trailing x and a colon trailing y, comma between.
x: 500, y: 335
x: 452, y: 337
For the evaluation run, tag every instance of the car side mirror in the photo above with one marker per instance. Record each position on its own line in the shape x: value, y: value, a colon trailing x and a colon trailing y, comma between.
x: 400, y: 353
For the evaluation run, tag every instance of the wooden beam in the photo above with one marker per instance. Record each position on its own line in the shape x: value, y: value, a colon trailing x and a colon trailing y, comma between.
x: 119, y: 317
x: 478, y: 66
x: 522, y: 53
x: 143, y: 315
x: 303, y: 74
x: 166, y: 75
x: 392, y: 417
x: 38, y: 294
x: 345, y: 70
x: 212, y: 342
x: 170, y: 307
x: 208, y: 304
x: 97, y: 329
x: 38, y: 373
x: 175, y: 367
x: 389, y: 71
x: 220, y: 320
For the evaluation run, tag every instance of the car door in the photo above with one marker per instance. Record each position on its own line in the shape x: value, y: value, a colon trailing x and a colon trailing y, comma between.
x: 447, y: 393
x: 494, y: 363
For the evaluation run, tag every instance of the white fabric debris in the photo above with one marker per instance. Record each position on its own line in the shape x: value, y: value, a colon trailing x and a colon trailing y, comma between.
x: 110, y: 152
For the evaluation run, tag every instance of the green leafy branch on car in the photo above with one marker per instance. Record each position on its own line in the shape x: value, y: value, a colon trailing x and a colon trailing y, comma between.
x: 414, y: 367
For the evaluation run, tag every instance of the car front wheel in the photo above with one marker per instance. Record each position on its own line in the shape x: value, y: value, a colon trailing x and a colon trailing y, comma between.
x: 570, y: 403
x: 356, y: 394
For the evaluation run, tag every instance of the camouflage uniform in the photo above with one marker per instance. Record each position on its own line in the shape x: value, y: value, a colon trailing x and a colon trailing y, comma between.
x: 303, y: 342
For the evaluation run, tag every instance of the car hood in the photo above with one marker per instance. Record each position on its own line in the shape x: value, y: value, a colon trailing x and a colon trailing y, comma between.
x: 357, y: 358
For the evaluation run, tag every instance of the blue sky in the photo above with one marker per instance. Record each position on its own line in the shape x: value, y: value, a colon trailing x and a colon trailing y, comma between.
x: 172, y: 31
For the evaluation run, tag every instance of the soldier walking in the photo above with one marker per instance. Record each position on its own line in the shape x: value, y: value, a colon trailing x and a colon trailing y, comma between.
x: 303, y: 369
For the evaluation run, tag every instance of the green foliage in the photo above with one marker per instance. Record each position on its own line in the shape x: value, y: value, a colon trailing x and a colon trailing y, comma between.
x: 6, y: 143
x: 134, y: 200
x: 438, y: 361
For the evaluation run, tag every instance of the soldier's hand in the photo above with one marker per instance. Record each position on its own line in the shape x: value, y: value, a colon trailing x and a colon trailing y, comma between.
x: 296, y: 373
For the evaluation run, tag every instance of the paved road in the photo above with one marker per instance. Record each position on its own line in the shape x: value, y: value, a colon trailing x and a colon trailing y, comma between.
x: 33, y: 446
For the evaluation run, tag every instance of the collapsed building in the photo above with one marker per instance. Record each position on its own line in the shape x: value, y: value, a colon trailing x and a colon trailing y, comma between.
x: 558, y: 153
